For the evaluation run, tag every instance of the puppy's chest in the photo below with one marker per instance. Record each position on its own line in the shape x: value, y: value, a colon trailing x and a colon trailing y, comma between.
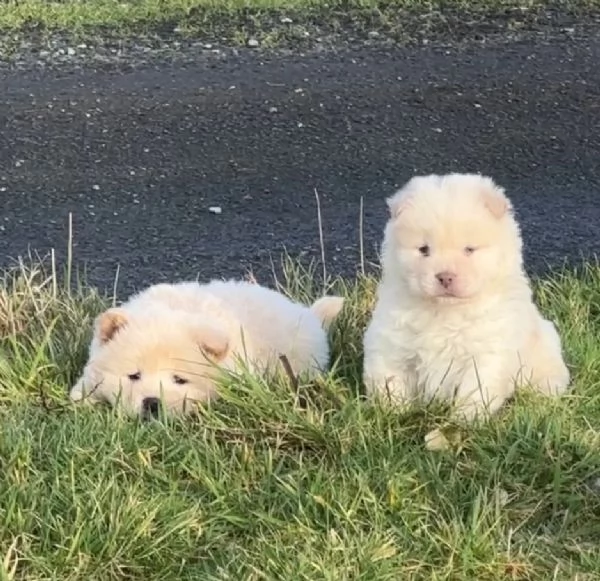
x: 437, y: 356
x: 437, y: 341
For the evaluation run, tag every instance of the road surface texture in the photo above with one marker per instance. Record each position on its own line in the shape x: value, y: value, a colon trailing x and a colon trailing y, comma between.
x: 140, y: 154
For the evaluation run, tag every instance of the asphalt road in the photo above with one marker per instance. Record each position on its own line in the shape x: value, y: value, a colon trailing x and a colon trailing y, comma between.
x: 139, y: 155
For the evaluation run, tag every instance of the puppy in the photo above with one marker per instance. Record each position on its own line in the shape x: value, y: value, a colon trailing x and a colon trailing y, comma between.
x: 168, y: 343
x: 454, y: 316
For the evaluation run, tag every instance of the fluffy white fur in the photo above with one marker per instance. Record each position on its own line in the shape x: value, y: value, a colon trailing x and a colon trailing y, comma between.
x: 171, y: 340
x: 454, y: 316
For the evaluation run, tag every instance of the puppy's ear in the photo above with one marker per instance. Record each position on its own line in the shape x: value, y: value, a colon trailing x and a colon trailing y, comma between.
x: 495, y: 199
x: 399, y: 202
x: 212, y: 341
x: 109, y: 322
x: 404, y: 197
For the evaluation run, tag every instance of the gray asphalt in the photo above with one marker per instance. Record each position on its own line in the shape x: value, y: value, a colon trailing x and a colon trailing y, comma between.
x: 139, y: 155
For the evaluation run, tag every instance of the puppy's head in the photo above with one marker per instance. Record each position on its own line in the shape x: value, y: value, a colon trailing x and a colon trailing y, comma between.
x: 144, y: 361
x: 451, y: 238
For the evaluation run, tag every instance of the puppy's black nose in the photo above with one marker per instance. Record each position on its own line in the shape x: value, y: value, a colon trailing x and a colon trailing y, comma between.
x: 150, y: 406
x: 445, y: 278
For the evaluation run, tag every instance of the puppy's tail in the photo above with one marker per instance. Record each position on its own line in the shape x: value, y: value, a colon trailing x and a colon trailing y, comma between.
x: 327, y: 309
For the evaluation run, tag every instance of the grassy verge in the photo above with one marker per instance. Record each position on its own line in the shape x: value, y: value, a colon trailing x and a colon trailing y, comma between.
x: 266, y: 489
x: 274, y: 21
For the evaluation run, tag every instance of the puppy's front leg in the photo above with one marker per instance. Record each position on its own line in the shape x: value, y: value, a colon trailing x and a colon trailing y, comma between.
x: 387, y: 373
x: 484, y: 388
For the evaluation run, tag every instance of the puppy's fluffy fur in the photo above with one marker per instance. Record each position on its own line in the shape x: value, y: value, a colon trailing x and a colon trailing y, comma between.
x: 454, y: 316
x: 171, y: 340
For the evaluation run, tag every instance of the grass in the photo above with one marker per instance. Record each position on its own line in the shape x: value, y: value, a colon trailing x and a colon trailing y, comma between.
x: 273, y: 486
x: 238, y: 20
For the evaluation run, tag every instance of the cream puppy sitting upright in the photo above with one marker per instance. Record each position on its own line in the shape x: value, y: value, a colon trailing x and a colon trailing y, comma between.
x: 167, y: 343
x: 454, y: 317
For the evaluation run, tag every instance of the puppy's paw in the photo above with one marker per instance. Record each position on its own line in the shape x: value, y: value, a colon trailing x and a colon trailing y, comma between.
x: 447, y: 438
x: 83, y: 393
x: 391, y: 390
x: 436, y: 441
x: 77, y: 393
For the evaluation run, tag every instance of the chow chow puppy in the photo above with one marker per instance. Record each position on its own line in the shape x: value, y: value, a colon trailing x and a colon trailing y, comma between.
x: 454, y: 316
x: 167, y: 343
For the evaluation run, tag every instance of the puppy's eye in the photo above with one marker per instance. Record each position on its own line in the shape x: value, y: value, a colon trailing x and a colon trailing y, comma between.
x: 135, y: 376
x: 424, y: 250
x: 180, y: 380
x: 469, y: 249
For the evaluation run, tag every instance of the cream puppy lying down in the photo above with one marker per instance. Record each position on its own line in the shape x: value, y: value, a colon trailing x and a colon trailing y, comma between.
x: 454, y: 316
x: 169, y: 341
